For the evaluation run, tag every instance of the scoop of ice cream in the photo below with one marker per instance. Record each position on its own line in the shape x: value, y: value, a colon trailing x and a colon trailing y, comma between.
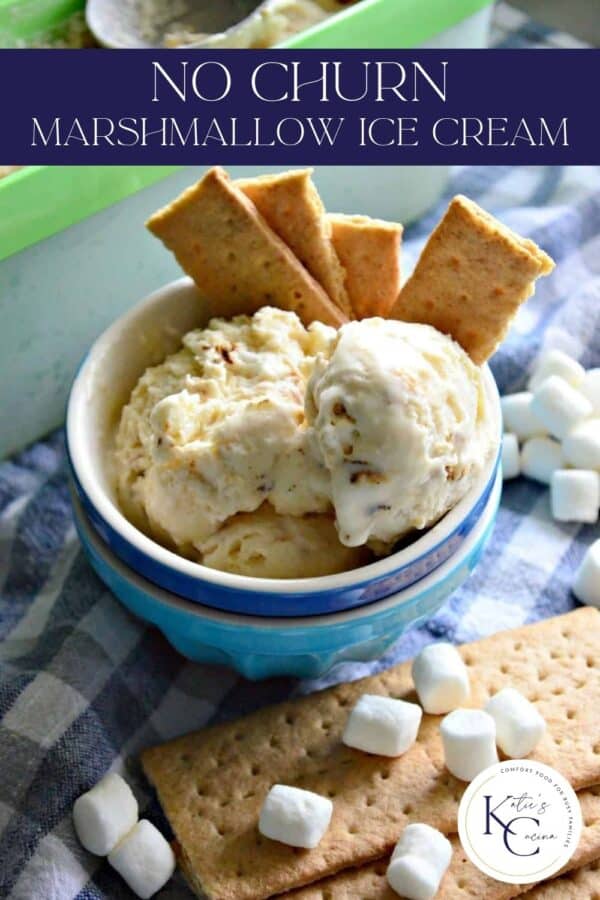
x: 220, y: 427
x: 287, y: 17
x: 375, y: 430
x: 398, y: 416
x: 264, y: 544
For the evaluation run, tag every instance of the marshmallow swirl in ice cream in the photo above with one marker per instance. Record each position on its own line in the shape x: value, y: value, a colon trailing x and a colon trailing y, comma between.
x: 219, y: 428
x: 378, y: 429
x: 398, y: 416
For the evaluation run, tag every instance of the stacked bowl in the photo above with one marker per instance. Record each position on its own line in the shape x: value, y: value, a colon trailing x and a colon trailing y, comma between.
x: 261, y: 627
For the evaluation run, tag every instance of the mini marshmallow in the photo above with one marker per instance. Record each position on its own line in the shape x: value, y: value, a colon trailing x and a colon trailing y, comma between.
x: 382, y: 725
x: 511, y: 464
x: 426, y: 842
x: 559, y: 406
x: 419, y: 862
x: 575, y: 495
x: 590, y: 388
x: 469, y: 739
x: 144, y: 859
x: 294, y: 816
x: 413, y: 877
x: 441, y: 678
x: 555, y: 362
x: 518, y: 415
x: 586, y: 586
x: 581, y: 446
x: 540, y: 458
x: 519, y: 726
x: 105, y: 814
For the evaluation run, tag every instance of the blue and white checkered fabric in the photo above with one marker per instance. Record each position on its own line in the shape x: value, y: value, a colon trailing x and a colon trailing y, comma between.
x: 84, y: 687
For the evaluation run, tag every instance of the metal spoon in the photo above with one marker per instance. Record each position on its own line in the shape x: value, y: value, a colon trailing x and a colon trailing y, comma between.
x: 119, y: 24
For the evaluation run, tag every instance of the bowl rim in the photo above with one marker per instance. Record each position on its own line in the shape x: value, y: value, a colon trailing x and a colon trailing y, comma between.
x: 109, y: 511
x: 341, y: 618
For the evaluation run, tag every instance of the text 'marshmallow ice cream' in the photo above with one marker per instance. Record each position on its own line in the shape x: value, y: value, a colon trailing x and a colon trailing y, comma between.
x: 263, y: 447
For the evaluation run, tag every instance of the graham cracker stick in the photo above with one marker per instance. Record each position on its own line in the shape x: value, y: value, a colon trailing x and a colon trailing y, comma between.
x: 462, y: 879
x: 290, y: 204
x: 471, y: 278
x: 212, y: 784
x: 222, y: 242
x: 369, y: 250
x: 582, y: 884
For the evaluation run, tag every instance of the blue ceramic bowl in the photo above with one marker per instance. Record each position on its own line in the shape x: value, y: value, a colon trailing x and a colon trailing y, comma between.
x: 103, y: 384
x: 304, y: 647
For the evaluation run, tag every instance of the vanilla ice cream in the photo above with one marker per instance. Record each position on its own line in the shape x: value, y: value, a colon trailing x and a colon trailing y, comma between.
x: 265, y: 544
x: 399, y: 418
x: 250, y: 446
x: 219, y: 428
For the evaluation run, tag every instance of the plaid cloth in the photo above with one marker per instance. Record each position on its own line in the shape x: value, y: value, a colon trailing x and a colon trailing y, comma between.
x: 84, y: 687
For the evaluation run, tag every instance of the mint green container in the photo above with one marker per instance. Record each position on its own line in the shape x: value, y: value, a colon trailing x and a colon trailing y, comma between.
x: 376, y: 24
x: 74, y: 253
x: 30, y: 22
x: 393, y: 24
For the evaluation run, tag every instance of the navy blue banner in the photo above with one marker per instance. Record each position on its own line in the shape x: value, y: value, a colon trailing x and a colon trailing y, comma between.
x: 343, y: 107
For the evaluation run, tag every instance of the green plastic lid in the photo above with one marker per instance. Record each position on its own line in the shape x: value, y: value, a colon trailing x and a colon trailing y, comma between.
x: 39, y: 201
x: 22, y: 21
x: 376, y: 24
x: 386, y: 24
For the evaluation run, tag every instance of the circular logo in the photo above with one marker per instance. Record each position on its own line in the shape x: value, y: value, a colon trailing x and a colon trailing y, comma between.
x: 519, y: 821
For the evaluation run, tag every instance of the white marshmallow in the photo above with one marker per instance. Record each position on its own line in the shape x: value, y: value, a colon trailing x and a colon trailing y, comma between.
x: 586, y: 586
x: 559, y: 405
x: 144, y: 859
x: 469, y: 739
x: 382, y: 725
x: 590, y: 388
x: 441, y: 678
x: 105, y: 814
x: 295, y: 817
x: 413, y: 877
x: 581, y: 446
x: 419, y: 862
x: 511, y: 464
x: 518, y: 415
x: 424, y: 841
x: 540, y: 458
x: 519, y: 726
x: 556, y: 362
x: 575, y: 495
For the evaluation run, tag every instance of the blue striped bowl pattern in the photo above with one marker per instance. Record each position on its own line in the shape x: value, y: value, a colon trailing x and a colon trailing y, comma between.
x: 305, y: 647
